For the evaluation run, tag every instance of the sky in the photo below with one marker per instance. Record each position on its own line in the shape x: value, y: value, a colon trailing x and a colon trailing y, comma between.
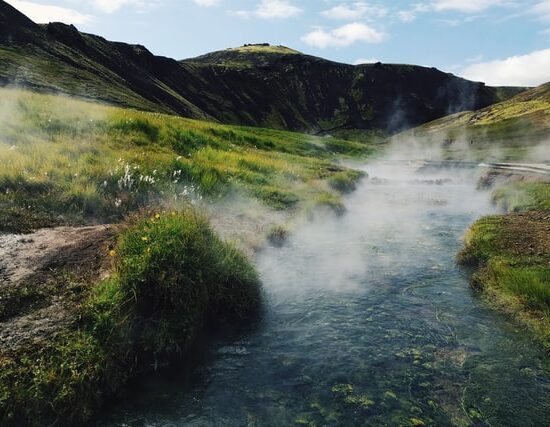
x: 500, y: 42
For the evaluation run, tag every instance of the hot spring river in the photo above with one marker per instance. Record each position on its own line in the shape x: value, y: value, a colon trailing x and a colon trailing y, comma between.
x: 368, y: 321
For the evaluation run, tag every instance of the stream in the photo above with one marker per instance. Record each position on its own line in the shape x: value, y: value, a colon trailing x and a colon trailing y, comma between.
x: 368, y: 321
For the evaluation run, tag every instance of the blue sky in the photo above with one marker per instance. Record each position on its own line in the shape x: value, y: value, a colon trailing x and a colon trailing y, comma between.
x: 501, y: 42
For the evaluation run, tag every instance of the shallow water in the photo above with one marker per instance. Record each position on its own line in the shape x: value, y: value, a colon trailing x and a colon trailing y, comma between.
x: 368, y: 321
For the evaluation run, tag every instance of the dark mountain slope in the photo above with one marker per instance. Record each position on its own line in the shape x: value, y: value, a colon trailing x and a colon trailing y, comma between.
x: 253, y: 85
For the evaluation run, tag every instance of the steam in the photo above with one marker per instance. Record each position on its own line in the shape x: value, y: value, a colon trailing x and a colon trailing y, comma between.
x: 387, y: 225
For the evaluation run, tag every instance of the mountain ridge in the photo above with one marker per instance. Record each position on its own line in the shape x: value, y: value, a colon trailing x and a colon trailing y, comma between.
x: 258, y: 85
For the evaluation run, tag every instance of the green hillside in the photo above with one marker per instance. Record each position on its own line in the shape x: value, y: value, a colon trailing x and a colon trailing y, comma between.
x: 71, y: 162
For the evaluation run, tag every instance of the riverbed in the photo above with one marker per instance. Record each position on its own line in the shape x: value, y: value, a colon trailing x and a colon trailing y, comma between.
x: 367, y: 321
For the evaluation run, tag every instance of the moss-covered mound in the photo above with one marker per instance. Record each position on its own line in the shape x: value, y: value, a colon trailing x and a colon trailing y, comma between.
x: 172, y: 279
x: 513, y: 255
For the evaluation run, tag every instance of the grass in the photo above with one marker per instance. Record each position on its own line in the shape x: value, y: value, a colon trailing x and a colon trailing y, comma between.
x: 521, y: 196
x: 71, y: 162
x: 345, y: 181
x: 172, y: 278
x: 513, y: 257
x: 329, y: 201
x: 258, y: 48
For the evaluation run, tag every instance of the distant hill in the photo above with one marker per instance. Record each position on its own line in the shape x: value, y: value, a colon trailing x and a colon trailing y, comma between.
x: 259, y: 85
x: 524, y: 118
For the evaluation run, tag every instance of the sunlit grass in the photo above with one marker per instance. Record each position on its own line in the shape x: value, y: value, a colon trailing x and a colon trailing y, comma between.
x: 67, y: 161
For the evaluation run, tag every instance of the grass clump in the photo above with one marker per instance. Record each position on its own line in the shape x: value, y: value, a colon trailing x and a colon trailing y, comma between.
x: 331, y: 202
x: 345, y: 181
x: 179, y: 275
x: 278, y: 236
x: 172, y: 279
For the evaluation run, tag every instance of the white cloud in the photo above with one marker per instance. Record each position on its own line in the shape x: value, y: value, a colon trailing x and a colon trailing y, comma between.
x: 410, y: 15
x: 406, y: 15
x: 464, y: 6
x: 366, y: 61
x: 111, y: 6
x: 354, y: 11
x: 207, y: 3
x: 532, y: 69
x: 272, y: 9
x: 542, y: 10
x: 44, y: 13
x: 343, y: 36
x: 467, y: 6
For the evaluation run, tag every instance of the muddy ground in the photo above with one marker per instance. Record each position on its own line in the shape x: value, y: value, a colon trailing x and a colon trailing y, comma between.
x: 43, y: 276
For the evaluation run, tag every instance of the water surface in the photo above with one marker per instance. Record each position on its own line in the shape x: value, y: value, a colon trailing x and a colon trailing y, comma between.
x: 368, y: 321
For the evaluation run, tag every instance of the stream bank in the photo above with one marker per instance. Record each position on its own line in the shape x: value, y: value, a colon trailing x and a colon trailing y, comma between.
x: 368, y: 321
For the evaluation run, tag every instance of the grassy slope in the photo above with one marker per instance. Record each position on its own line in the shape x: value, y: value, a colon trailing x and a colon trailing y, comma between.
x: 513, y: 255
x: 512, y: 127
x: 245, y: 56
x: 70, y: 162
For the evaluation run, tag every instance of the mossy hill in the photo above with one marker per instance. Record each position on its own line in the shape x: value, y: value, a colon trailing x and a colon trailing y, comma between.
x: 260, y: 85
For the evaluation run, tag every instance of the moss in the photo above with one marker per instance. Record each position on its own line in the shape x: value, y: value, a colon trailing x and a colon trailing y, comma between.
x: 342, y: 389
x: 361, y: 401
x: 173, y: 278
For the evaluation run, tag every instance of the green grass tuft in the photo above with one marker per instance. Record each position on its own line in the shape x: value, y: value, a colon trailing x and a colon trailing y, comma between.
x: 173, y: 278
